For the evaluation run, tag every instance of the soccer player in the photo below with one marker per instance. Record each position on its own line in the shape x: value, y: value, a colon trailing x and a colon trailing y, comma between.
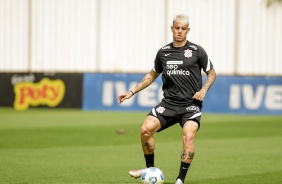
x: 180, y: 64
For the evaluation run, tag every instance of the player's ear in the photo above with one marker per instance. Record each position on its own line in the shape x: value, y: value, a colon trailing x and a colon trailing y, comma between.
x: 171, y: 28
x: 188, y: 30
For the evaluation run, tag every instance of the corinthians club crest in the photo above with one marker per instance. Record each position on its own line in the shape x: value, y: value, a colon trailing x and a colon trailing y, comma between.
x: 188, y: 53
x: 160, y: 109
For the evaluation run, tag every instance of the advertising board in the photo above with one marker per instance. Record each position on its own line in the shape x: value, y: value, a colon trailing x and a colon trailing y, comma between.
x: 229, y: 94
x: 25, y: 90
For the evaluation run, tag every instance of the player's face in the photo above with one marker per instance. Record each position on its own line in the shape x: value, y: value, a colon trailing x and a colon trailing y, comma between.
x: 180, y: 31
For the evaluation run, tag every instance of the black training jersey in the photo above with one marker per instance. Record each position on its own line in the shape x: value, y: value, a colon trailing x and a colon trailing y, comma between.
x: 181, y: 72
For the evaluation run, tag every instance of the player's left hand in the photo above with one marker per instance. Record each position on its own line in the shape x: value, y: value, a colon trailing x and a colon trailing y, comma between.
x: 200, y: 95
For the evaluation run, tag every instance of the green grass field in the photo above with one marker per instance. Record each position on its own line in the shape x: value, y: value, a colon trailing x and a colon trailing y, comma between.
x: 74, y: 146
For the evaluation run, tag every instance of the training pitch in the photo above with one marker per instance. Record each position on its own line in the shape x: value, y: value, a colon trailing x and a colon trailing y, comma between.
x: 77, y: 147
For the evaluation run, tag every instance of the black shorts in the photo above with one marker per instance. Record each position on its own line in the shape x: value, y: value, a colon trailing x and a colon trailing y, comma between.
x: 170, y: 115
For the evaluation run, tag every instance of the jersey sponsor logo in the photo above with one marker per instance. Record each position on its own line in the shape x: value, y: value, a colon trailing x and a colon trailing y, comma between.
x: 174, y: 62
x: 160, y: 109
x: 178, y: 72
x: 172, y: 68
x: 193, y: 47
x: 166, y: 47
x: 188, y: 53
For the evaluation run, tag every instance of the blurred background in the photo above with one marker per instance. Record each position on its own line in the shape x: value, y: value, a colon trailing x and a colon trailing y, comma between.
x: 82, y: 53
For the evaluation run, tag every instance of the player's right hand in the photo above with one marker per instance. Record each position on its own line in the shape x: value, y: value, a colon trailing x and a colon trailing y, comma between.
x: 123, y: 97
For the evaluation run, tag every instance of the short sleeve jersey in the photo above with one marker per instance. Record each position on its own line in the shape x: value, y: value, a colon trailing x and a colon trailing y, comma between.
x: 181, y: 72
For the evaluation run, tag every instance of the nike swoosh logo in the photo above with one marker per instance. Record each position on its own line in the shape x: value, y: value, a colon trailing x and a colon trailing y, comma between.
x: 167, y: 54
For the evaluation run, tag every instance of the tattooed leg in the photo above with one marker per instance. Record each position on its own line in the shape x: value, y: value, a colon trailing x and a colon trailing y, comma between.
x: 189, y: 131
x: 150, y: 148
x: 187, y: 157
x: 190, y: 156
x: 149, y: 127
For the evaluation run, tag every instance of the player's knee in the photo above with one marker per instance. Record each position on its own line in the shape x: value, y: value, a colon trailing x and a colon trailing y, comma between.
x: 188, y: 139
x: 148, y: 129
x: 145, y: 132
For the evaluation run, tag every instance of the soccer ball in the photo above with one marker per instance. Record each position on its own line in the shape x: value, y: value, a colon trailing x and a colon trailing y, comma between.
x: 152, y: 175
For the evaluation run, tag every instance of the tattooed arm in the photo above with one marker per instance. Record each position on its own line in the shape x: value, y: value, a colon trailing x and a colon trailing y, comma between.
x: 145, y: 82
x: 211, y: 76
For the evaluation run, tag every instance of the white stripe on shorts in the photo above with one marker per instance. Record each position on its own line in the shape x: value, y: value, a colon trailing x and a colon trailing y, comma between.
x: 154, y: 112
x: 196, y: 115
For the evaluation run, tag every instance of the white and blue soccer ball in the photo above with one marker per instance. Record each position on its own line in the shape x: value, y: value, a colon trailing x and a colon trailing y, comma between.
x: 152, y: 175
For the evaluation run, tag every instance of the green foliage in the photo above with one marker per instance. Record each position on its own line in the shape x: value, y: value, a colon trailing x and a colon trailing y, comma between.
x: 78, y: 147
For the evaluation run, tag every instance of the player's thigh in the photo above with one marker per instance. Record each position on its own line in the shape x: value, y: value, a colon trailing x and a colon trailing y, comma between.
x: 151, y: 124
x: 190, y: 128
